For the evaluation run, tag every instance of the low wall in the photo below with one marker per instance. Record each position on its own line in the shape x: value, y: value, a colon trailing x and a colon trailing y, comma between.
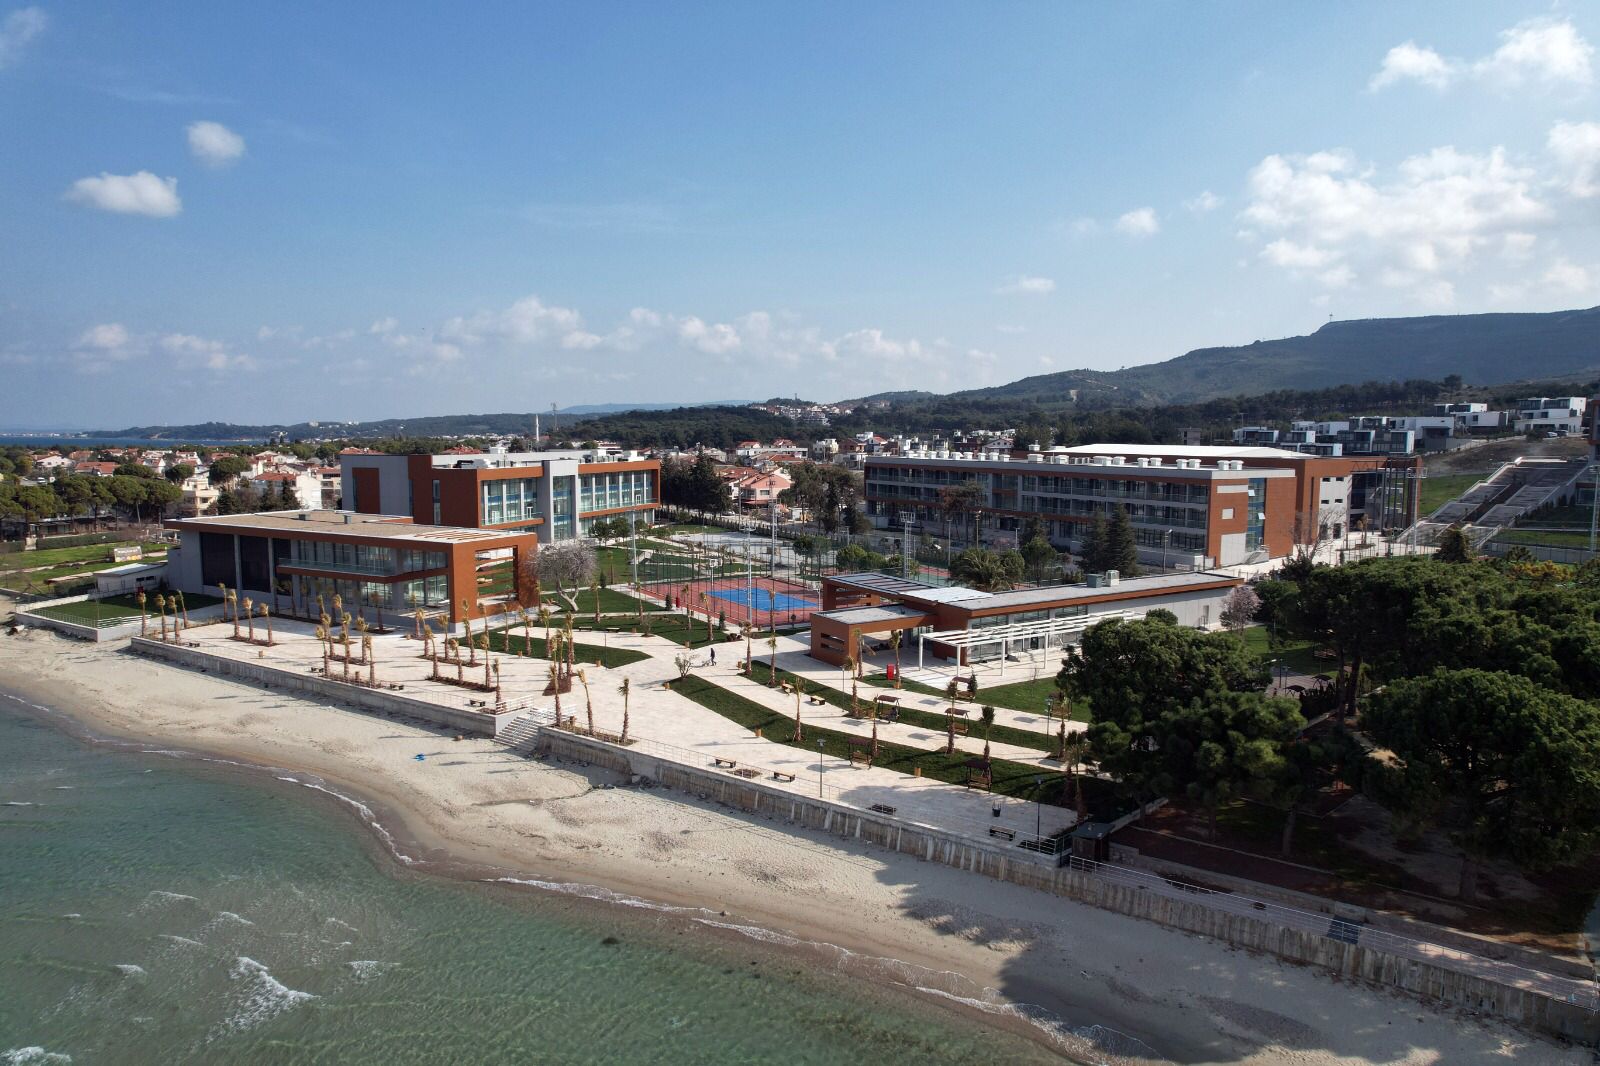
x: 483, y: 723
x: 1428, y: 981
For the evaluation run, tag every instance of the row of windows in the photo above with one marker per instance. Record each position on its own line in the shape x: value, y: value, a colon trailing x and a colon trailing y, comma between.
x: 628, y: 488
x: 510, y: 500
x: 363, y: 558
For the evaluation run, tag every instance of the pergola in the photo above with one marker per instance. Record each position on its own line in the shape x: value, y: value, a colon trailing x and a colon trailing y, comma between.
x: 1054, y: 631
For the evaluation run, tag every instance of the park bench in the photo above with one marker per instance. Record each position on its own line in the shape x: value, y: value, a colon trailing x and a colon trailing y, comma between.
x: 727, y: 764
x: 883, y: 808
x: 1003, y: 834
x: 788, y: 689
x: 815, y: 701
x: 779, y: 775
x: 959, y: 728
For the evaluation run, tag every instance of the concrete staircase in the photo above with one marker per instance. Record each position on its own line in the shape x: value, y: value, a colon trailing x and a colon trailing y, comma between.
x: 1498, y: 501
x: 521, y: 734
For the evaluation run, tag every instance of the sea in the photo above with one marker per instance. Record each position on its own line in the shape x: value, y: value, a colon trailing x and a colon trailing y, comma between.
x: 68, y: 440
x: 162, y: 908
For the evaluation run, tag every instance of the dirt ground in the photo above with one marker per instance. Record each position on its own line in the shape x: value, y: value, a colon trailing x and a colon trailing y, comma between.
x: 1490, y: 456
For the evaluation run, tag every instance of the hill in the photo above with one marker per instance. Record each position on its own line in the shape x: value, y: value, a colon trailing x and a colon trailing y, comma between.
x: 1480, y: 349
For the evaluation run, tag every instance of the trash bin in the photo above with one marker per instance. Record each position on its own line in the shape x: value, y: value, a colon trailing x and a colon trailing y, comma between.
x: 894, y: 671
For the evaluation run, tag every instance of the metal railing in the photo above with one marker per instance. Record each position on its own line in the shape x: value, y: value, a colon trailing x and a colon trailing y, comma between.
x: 1566, y: 989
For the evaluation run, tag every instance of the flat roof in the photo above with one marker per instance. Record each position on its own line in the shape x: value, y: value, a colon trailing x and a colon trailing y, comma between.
x: 855, y: 616
x: 1040, y: 466
x: 892, y: 585
x: 343, y: 523
x: 973, y: 600
x: 1181, y: 451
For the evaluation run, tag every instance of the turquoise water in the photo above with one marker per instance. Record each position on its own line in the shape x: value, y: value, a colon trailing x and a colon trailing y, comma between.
x: 156, y: 910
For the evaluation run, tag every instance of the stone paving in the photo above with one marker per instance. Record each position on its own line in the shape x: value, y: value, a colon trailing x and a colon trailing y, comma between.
x: 676, y: 727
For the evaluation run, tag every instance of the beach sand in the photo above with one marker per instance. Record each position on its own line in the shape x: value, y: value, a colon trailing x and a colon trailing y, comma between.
x: 471, y: 807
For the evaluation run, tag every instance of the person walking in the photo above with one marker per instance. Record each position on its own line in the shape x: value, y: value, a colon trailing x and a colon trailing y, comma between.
x: 713, y: 656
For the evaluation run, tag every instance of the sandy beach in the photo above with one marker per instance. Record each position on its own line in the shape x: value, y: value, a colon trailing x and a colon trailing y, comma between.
x: 471, y: 806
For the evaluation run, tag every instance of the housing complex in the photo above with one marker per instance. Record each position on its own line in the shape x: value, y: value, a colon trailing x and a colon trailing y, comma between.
x: 1194, y: 506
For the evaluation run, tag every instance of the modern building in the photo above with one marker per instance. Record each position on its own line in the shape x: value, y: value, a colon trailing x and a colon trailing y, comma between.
x: 287, y: 559
x: 557, y: 494
x: 1189, y: 506
x: 1560, y: 415
x: 965, y: 625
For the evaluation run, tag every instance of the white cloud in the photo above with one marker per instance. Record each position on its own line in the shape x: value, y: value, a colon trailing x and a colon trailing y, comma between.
x: 1550, y: 52
x: 717, y: 339
x: 129, y: 194
x: 1564, y: 276
x: 17, y: 31
x: 525, y: 322
x: 1326, y: 216
x: 1024, y: 283
x: 202, y: 352
x: 214, y: 144
x: 1206, y: 202
x: 1575, y: 147
x: 108, y: 336
x: 1546, y: 52
x: 1411, y: 62
x: 387, y: 324
x: 1140, y: 222
x: 581, y: 340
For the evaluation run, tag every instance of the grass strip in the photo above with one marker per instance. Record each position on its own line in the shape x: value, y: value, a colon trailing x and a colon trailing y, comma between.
x: 511, y: 641
x: 1010, y: 778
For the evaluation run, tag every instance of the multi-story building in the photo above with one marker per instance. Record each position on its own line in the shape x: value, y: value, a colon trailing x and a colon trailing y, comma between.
x: 559, y: 495
x: 372, y: 562
x: 1195, y: 506
x: 1561, y: 415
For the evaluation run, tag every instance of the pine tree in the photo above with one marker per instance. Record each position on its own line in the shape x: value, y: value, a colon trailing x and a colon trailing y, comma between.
x: 1093, y: 549
x: 1120, y: 550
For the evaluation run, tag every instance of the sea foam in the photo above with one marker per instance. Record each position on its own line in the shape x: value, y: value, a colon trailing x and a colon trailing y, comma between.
x: 265, y: 997
x: 33, y: 1056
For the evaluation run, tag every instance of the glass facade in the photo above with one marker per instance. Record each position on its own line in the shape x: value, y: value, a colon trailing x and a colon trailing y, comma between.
x: 1256, y: 523
x: 561, y: 504
x: 509, y: 500
x: 376, y: 560
x: 603, y: 492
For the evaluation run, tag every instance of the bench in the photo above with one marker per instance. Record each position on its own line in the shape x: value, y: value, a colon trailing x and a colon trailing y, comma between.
x: 1003, y: 834
x: 883, y: 808
x: 959, y: 728
x: 727, y: 764
x: 815, y: 701
x: 787, y: 688
x: 779, y: 775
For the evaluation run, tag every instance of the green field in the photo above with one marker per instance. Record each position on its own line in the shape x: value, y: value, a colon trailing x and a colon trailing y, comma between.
x: 114, y: 610
x: 82, y: 561
x: 1438, y: 490
x: 1296, y: 655
x: 1010, y: 778
x: 611, y: 602
x: 674, y: 627
x: 1552, y: 538
x: 512, y: 641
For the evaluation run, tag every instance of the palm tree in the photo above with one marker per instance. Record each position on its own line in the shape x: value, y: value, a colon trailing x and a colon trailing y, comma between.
x: 798, y: 732
x: 987, y: 714
x: 527, y: 634
x: 160, y: 605
x: 588, y: 704
x: 183, y: 605
x: 1072, y: 755
x: 250, y: 618
x: 772, y: 667
x: 874, y: 730
x: 894, y: 643
x: 594, y: 586
x: 626, y: 687
x: 224, y: 590
x: 372, y: 665
x: 950, y: 731
x: 555, y: 688
x: 144, y: 618
x: 267, y: 619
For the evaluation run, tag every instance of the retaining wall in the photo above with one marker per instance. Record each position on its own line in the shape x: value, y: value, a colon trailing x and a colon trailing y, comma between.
x: 1355, y: 961
x: 483, y: 723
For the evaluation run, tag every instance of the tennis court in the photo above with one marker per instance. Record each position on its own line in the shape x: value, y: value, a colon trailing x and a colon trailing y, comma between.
x: 764, y: 601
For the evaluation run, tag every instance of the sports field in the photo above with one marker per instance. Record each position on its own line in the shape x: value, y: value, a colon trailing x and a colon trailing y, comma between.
x: 763, y: 602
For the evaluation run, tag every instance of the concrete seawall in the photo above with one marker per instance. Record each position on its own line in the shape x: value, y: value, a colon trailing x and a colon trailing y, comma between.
x: 1428, y: 981
x: 481, y: 723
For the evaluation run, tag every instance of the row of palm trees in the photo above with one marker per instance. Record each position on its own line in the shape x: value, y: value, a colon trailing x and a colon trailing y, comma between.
x: 163, y: 603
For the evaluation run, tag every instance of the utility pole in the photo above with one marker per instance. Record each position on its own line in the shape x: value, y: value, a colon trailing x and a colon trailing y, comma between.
x: 633, y: 546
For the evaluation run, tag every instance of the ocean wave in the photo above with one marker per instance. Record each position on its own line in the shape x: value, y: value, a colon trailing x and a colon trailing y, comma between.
x: 128, y: 969
x: 361, y: 809
x: 264, y: 998
x: 160, y: 897
x: 183, y: 940
x: 33, y: 1056
x: 229, y: 916
x: 340, y: 924
x: 365, y: 968
x: 19, y: 803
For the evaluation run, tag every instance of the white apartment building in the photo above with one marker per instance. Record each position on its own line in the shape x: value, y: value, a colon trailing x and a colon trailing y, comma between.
x: 1561, y: 415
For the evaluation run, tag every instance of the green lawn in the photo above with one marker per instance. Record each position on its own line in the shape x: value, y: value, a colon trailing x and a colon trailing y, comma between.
x: 1017, y: 696
x: 1296, y: 655
x: 690, y: 633
x: 1553, y: 538
x: 511, y: 641
x: 1001, y: 734
x: 689, y: 527
x: 611, y: 602
x: 114, y: 610
x: 1438, y: 490
x: 1010, y: 778
x: 66, y: 557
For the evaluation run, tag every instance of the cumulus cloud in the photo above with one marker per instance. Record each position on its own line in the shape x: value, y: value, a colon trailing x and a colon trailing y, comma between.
x: 386, y: 325
x: 1327, y: 216
x: 17, y: 31
x: 1206, y: 202
x: 1563, y: 281
x: 717, y: 339
x: 108, y: 336
x: 527, y: 321
x: 1548, y: 53
x: 203, y: 352
x: 1575, y: 146
x: 1140, y: 222
x: 128, y: 194
x: 214, y: 144
x: 101, y: 346
x: 1025, y: 283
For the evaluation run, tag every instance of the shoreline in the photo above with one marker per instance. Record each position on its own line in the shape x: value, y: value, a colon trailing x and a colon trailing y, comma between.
x: 475, y: 810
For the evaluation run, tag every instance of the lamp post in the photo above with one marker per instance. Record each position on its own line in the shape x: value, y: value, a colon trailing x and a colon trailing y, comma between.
x: 822, y: 767
x: 1038, y: 811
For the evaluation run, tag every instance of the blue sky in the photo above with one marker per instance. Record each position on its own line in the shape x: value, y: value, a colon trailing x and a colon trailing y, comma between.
x: 280, y: 212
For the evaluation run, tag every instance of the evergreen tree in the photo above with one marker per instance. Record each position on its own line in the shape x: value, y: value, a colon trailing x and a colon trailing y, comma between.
x: 1092, y: 551
x: 1120, y: 550
x: 1454, y: 547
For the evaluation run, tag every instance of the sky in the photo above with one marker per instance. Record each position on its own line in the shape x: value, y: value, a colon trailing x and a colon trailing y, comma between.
x: 283, y: 212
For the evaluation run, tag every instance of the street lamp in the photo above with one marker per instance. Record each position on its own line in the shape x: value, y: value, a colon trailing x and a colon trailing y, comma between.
x: 822, y: 767
x: 1038, y: 812
x: 1166, y: 538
